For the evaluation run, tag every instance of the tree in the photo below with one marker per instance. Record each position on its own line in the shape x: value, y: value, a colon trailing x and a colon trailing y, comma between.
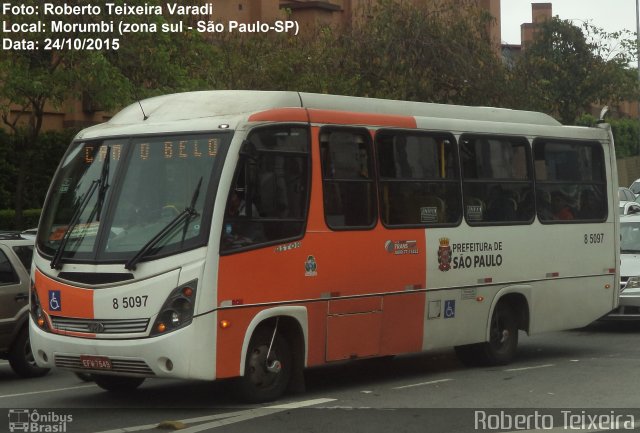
x: 445, y: 57
x: 429, y: 52
x: 566, y: 69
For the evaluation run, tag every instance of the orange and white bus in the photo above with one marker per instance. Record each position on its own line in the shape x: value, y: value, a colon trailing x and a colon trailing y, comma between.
x: 221, y: 234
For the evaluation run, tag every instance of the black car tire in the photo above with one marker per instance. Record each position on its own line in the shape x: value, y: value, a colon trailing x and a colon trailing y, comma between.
x: 85, y: 377
x: 117, y: 383
x: 21, y: 358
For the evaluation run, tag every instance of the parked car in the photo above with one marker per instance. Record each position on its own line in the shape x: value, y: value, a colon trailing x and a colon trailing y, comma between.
x: 629, y: 307
x: 625, y: 195
x: 630, y: 208
x: 29, y: 233
x: 635, y: 187
x: 16, y: 253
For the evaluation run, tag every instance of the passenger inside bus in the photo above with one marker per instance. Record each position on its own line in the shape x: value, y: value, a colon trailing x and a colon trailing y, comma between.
x: 241, y: 228
x: 238, y: 205
x: 502, y: 206
x: 590, y: 205
x: 560, y: 206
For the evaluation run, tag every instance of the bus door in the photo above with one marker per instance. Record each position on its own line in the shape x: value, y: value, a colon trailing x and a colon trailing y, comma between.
x: 372, y: 276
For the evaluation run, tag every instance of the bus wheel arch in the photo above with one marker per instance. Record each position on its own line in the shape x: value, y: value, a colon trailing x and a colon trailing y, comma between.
x: 510, y: 313
x: 273, y: 355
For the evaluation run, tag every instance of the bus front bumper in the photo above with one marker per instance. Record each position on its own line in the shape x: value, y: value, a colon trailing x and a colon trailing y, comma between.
x: 165, y: 356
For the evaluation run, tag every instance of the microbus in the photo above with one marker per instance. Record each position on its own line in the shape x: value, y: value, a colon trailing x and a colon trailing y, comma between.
x: 252, y: 234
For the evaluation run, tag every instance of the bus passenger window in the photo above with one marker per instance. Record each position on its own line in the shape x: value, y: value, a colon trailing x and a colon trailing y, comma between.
x: 268, y: 199
x: 348, y: 181
x: 419, y: 181
x: 497, y: 180
x: 570, y: 181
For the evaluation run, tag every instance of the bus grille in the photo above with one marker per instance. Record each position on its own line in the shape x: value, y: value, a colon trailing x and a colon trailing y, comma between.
x: 94, y: 326
x: 132, y: 366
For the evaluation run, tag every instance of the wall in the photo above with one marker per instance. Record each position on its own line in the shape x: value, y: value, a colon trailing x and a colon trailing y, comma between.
x: 628, y: 170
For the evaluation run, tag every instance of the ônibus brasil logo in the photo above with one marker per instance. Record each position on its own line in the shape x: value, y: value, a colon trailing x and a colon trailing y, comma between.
x: 31, y: 421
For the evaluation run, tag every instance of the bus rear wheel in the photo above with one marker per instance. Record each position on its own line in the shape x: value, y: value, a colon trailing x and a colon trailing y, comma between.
x: 117, y: 383
x: 267, y: 372
x: 503, y: 340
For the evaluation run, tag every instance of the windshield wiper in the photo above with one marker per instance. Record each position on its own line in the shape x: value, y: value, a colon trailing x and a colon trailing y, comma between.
x: 56, y: 262
x: 185, y: 216
x: 104, y: 185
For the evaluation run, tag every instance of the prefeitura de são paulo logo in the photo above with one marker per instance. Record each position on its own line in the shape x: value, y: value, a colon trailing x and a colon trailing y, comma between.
x: 444, y: 255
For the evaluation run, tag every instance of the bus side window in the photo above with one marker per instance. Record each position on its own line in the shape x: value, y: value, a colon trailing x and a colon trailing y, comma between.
x: 570, y: 180
x: 497, y: 179
x: 419, y: 178
x: 348, y: 178
x: 268, y: 199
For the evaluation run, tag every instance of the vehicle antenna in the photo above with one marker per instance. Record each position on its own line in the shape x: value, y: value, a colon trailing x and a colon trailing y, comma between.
x: 142, y: 109
x: 145, y: 117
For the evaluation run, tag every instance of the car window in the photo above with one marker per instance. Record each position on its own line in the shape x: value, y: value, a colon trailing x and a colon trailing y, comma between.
x: 25, y: 254
x: 7, y: 273
x: 625, y: 195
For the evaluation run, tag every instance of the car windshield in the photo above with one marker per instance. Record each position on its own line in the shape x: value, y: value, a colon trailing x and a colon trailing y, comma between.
x: 635, y: 187
x: 630, y: 237
x: 111, y: 197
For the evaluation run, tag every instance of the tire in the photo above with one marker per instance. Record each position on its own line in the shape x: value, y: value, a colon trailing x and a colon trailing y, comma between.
x: 21, y: 358
x: 117, y: 383
x: 259, y: 385
x: 469, y: 354
x: 85, y: 377
x: 503, y: 341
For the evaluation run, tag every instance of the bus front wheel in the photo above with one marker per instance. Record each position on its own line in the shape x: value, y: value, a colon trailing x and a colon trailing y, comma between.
x: 117, y: 383
x: 21, y: 357
x: 503, y: 340
x: 267, y: 372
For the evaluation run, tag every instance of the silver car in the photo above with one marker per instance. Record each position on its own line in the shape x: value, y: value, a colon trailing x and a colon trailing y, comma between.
x: 629, y: 307
x: 16, y: 253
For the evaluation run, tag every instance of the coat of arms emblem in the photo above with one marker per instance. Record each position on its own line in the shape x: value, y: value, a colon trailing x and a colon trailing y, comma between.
x: 444, y: 255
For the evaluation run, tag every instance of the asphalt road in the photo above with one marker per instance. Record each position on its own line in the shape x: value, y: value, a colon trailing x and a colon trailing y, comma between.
x: 582, y: 378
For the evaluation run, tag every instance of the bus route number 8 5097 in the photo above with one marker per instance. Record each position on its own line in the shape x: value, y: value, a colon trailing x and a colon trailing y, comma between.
x: 594, y: 238
x: 130, y: 302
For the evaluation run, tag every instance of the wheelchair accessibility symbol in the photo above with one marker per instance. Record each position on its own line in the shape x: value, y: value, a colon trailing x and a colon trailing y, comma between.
x: 55, y: 302
x: 449, y: 309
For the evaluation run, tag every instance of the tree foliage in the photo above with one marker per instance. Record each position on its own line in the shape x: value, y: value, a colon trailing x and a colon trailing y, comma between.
x: 444, y: 57
x: 566, y: 69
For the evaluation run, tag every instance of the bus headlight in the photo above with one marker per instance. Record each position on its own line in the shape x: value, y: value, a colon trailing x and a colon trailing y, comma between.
x: 177, y: 311
x: 37, y: 314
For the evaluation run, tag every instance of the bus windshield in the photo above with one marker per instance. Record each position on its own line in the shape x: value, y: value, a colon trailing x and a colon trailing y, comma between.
x: 111, y: 197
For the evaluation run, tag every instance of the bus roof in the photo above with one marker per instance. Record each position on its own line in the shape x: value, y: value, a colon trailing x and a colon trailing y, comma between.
x: 195, y: 110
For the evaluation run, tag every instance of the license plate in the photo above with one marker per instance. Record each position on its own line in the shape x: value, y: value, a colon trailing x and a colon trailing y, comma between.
x: 96, y: 362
